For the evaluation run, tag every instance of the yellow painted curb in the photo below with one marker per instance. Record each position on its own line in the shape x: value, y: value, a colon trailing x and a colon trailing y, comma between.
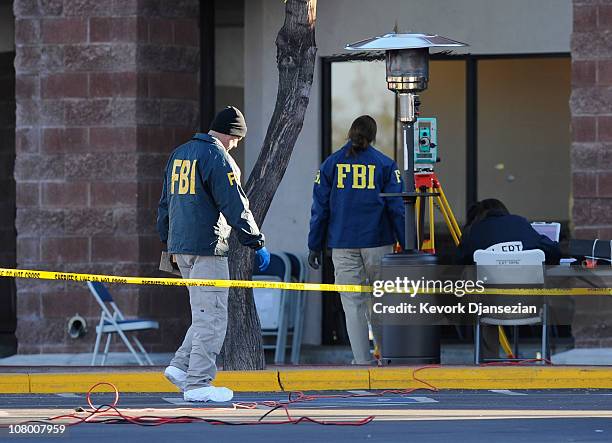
x: 466, y: 377
x: 324, y: 379
x: 556, y: 377
x: 14, y: 383
x: 146, y: 382
x: 82, y: 382
x: 245, y: 381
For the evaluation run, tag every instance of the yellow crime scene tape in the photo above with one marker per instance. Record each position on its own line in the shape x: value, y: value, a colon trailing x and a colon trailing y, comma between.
x: 69, y: 276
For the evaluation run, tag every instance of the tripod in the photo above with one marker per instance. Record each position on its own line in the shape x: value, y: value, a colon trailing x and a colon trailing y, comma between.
x: 429, y: 194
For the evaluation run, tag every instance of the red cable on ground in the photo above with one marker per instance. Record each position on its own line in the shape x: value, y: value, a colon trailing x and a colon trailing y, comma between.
x: 298, y: 396
x: 110, y: 414
x: 88, y: 396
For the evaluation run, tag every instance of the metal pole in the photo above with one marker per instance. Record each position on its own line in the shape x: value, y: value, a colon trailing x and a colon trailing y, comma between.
x: 410, y: 223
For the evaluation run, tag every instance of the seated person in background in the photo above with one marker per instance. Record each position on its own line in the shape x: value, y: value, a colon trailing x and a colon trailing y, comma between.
x: 489, y: 222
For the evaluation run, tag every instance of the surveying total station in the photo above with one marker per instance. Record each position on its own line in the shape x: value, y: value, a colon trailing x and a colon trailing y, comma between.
x: 428, y: 188
x: 407, y: 72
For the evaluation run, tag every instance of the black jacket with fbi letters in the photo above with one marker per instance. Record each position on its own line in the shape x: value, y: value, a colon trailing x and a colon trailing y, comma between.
x: 498, y: 227
x: 202, y: 200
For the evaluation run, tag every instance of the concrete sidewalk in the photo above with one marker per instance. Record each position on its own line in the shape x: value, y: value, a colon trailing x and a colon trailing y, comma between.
x: 589, y: 356
x: 81, y: 359
x: 451, y: 354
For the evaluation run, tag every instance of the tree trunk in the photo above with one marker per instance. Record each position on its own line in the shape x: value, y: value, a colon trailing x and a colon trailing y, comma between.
x: 296, y: 50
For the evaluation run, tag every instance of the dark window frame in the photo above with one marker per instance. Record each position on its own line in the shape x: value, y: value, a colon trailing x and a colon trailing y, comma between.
x: 207, y: 63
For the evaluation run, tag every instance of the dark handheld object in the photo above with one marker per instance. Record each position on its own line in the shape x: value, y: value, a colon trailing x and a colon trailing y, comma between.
x: 315, y: 259
x: 168, y: 264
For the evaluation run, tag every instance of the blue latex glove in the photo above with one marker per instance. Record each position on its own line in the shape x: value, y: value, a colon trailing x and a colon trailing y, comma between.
x: 264, y: 258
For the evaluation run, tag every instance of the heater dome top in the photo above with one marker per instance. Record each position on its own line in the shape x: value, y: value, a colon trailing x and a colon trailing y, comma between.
x: 403, y: 41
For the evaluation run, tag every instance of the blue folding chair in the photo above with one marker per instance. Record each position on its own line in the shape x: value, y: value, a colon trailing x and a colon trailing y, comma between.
x: 273, y: 304
x: 298, y: 274
x: 112, y: 321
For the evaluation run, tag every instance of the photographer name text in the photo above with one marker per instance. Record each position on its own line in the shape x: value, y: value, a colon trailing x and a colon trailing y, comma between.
x: 459, y: 308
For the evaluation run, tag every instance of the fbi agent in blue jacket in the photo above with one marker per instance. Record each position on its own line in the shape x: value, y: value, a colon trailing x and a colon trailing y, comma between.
x: 201, y: 201
x: 359, y: 226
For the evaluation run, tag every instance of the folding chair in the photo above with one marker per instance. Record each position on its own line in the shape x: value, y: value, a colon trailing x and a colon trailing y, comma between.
x: 112, y: 321
x: 298, y: 274
x: 517, y: 268
x: 273, y: 305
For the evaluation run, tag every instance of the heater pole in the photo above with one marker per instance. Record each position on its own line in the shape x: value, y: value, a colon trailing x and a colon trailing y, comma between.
x: 410, y: 224
x: 408, y: 114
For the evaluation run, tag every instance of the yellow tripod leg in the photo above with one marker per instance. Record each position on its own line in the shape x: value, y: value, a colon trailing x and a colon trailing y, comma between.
x: 444, y: 212
x: 505, y: 343
x: 432, y: 239
x: 452, y: 218
x: 377, y: 354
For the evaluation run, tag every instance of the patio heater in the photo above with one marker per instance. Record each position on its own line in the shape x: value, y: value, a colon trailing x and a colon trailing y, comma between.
x: 407, y: 70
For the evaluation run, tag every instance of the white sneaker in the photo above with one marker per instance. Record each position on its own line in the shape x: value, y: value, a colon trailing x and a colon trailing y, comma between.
x: 209, y: 393
x: 176, y: 376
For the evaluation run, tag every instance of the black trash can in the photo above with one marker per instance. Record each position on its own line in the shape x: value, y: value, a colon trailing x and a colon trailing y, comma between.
x: 413, y: 341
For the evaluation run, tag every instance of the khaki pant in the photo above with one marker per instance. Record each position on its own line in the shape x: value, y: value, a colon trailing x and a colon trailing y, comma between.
x: 358, y: 267
x: 204, y: 339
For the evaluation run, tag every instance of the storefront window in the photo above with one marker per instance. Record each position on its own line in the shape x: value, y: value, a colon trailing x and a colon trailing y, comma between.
x: 523, y: 135
x: 359, y: 87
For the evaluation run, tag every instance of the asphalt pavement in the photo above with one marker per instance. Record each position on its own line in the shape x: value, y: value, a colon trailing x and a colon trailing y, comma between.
x: 423, y: 416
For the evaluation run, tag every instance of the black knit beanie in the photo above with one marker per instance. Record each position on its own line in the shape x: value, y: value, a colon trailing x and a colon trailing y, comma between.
x: 229, y: 121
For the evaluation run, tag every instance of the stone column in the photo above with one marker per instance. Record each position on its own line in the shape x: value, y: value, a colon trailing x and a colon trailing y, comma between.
x: 591, y: 108
x: 105, y: 90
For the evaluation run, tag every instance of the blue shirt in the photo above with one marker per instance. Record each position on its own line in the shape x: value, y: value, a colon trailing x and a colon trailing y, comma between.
x: 202, y: 200
x: 347, y: 208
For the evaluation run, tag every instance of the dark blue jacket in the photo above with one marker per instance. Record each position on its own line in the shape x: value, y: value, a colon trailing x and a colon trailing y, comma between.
x: 498, y: 227
x: 201, y: 196
x: 347, y: 207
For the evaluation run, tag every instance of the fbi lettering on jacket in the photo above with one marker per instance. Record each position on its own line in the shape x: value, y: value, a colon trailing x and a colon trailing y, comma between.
x: 356, y: 176
x: 183, y: 175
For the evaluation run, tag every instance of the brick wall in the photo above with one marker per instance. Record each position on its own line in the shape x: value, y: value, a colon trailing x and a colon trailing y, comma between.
x: 7, y: 200
x: 105, y: 90
x: 591, y: 107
